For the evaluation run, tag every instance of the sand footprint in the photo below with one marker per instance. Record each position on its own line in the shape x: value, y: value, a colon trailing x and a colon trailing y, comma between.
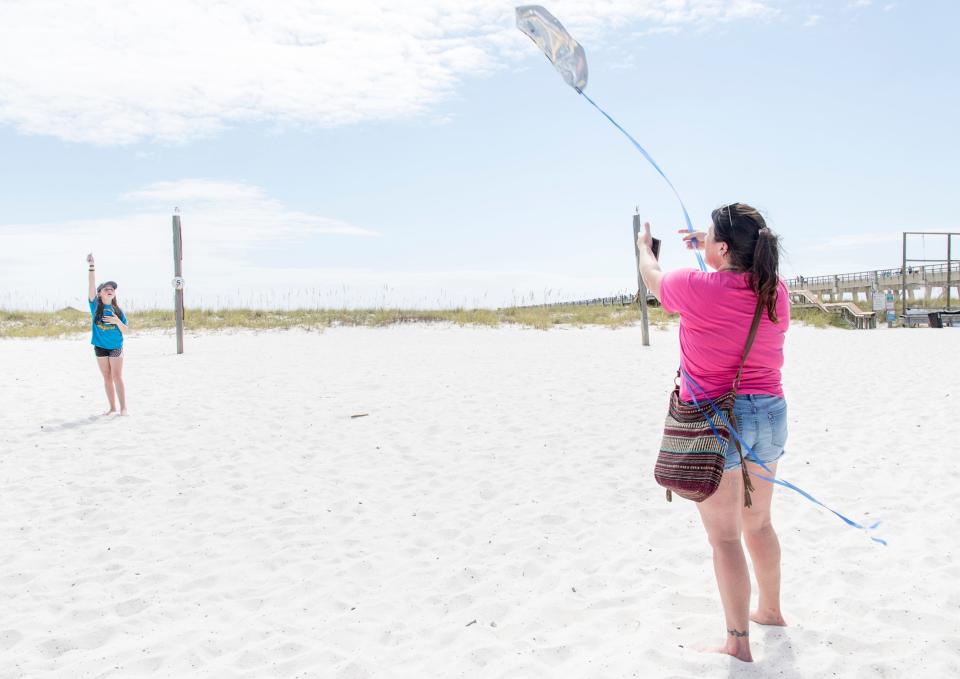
x: 203, y: 583
x: 54, y: 648
x: 131, y: 607
x: 121, y: 551
x: 9, y: 638
x: 290, y: 649
x: 485, y: 655
x: 353, y: 671
x: 248, y: 660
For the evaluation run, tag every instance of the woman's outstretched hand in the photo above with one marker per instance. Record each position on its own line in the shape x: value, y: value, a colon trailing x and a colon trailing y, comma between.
x: 644, y: 238
x: 90, y: 259
x: 689, y: 237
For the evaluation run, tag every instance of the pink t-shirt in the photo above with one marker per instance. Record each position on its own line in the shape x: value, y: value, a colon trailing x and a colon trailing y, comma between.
x: 716, y: 310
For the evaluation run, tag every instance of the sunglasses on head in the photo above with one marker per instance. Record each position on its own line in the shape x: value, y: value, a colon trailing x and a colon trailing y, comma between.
x: 728, y: 211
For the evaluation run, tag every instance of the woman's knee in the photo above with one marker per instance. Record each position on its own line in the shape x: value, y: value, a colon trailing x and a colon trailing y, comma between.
x: 757, y: 526
x: 724, y: 539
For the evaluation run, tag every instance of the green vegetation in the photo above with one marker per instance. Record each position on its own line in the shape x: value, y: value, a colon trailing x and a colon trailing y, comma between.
x: 72, y: 321
x: 43, y: 323
x: 939, y: 302
x: 817, y: 318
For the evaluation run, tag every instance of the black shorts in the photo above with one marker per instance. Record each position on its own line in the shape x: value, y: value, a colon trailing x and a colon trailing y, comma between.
x: 107, y: 353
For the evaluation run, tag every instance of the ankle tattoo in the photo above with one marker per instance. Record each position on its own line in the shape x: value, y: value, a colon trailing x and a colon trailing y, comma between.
x: 738, y: 633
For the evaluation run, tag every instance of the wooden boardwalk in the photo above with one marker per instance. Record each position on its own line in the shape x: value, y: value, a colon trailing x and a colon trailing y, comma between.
x: 837, y: 294
x: 919, y: 282
x: 850, y: 312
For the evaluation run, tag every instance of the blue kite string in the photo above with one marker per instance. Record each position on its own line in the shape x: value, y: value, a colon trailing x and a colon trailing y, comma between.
x: 703, y: 267
x: 753, y: 458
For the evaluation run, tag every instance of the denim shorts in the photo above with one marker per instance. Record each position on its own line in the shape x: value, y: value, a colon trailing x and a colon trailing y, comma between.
x: 762, y: 424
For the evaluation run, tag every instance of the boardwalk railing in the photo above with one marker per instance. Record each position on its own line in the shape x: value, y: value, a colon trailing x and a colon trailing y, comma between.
x: 868, y: 276
x: 617, y: 300
x: 887, y: 278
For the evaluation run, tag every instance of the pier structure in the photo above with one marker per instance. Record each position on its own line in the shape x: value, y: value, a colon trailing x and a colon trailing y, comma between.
x: 918, y: 282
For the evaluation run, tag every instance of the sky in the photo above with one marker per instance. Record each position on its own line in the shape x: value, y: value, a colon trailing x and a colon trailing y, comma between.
x: 392, y: 153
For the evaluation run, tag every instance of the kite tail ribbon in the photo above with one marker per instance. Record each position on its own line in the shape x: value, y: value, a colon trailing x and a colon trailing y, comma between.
x: 750, y: 455
x: 636, y: 144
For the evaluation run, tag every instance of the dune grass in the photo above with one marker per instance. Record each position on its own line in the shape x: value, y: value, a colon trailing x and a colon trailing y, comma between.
x: 937, y: 302
x: 72, y: 321
x: 818, y: 319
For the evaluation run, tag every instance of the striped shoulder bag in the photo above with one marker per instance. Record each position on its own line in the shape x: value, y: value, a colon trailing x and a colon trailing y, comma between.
x: 695, y: 440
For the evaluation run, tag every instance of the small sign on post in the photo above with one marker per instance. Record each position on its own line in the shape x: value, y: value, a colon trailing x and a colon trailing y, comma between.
x: 178, y: 278
x: 889, y: 306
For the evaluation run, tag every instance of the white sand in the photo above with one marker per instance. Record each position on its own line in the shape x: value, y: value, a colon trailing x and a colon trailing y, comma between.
x: 494, y: 515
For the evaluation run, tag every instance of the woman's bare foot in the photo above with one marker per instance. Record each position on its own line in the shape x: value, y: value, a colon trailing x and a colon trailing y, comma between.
x: 112, y: 411
x: 124, y: 412
x: 738, y: 645
x: 738, y: 651
x: 767, y: 617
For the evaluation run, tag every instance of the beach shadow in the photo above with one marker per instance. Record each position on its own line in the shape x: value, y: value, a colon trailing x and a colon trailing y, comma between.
x: 777, y: 658
x: 71, y: 424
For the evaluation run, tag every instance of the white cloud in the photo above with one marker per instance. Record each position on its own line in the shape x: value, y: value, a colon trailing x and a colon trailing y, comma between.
x: 812, y: 20
x: 116, y: 72
x: 224, y: 224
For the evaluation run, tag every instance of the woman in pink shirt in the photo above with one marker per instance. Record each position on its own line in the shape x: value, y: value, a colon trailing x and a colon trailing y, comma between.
x: 716, y: 310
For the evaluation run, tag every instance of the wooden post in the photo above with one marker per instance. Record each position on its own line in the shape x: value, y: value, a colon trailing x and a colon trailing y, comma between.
x: 903, y: 281
x: 949, y: 266
x: 641, y: 286
x: 178, y: 278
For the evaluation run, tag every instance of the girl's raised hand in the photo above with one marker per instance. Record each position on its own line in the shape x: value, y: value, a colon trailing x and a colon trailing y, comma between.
x: 689, y: 237
x: 90, y: 258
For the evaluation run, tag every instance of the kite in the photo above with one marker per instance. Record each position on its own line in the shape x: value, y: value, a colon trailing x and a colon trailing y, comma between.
x: 568, y: 57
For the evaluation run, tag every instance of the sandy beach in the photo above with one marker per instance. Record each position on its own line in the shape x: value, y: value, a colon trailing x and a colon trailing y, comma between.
x: 492, y: 514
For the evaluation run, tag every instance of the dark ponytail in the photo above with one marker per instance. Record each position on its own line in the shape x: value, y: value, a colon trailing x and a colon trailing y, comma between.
x: 753, y: 248
x: 763, y: 273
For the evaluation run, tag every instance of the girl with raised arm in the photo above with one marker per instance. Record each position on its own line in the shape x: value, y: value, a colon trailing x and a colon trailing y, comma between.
x: 109, y: 326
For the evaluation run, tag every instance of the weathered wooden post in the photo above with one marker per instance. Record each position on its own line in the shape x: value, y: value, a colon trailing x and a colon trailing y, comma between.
x: 641, y: 286
x: 903, y: 282
x: 949, y: 267
x: 178, y: 278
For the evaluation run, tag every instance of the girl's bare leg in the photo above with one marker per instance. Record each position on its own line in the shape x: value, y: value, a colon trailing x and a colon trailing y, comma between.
x: 104, y: 365
x: 720, y: 514
x: 764, y: 549
x: 116, y: 370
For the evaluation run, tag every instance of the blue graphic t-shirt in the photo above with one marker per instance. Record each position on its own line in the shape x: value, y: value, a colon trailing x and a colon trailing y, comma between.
x: 106, y: 335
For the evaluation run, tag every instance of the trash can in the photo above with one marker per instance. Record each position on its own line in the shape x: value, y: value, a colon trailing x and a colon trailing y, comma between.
x: 935, y: 320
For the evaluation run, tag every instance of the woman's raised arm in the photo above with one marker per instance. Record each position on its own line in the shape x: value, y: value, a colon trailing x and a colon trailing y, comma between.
x: 649, y: 266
